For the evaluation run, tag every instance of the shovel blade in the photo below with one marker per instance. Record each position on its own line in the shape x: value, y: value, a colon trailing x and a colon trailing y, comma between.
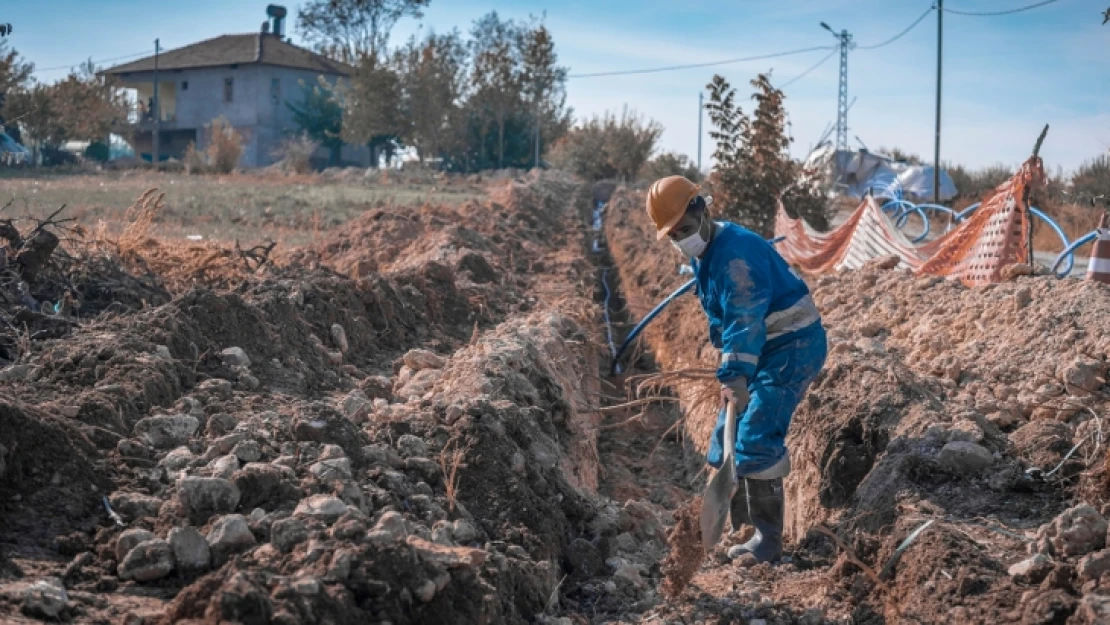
x: 715, y: 506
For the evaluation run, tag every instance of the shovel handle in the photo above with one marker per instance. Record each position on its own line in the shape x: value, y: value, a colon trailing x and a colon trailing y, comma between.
x: 730, y: 432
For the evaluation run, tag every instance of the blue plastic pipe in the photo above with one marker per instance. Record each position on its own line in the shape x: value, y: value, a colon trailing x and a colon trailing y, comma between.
x: 644, y: 322
x: 1069, y: 252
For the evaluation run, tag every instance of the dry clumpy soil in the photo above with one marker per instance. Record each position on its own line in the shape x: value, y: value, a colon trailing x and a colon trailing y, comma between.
x: 939, y: 404
x: 341, y: 436
x: 686, y: 552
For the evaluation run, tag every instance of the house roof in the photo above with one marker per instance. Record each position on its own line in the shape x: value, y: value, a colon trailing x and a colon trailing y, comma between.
x: 261, y: 48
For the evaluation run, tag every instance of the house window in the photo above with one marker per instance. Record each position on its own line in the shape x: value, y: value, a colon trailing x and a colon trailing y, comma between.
x: 228, y: 90
x: 275, y: 90
x: 184, y: 85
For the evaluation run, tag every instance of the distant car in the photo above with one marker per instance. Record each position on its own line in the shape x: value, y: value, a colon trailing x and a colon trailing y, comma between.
x: 11, y: 153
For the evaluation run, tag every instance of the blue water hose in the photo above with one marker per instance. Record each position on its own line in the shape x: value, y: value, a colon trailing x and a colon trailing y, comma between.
x: 644, y: 322
x: 1069, y: 252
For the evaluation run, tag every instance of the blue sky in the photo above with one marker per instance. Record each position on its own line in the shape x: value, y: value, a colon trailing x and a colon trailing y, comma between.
x: 1004, y: 77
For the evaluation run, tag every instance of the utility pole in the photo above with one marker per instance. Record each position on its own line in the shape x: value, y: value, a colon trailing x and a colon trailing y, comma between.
x: 700, y: 110
x: 936, y: 144
x: 845, y: 39
x: 155, y: 113
x: 537, y: 124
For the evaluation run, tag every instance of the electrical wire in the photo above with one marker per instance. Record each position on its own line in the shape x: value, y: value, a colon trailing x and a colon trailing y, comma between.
x: 803, y: 74
x: 996, y: 13
x: 652, y: 70
x: 97, y: 62
x: 904, y: 32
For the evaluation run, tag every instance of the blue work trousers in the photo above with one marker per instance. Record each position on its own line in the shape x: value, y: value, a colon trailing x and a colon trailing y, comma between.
x: 781, y: 378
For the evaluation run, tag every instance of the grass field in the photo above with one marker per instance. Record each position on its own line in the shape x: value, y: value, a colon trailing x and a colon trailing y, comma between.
x: 288, y: 209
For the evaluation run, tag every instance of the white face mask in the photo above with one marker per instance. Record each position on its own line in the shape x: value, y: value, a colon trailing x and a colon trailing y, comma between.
x: 693, y: 245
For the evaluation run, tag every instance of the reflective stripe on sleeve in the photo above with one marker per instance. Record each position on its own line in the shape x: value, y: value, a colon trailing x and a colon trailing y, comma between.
x: 751, y: 359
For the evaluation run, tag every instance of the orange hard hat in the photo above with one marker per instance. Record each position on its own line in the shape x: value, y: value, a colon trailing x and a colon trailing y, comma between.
x: 667, y: 201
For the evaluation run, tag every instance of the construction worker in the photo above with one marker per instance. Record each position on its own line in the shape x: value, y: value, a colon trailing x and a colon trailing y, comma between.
x: 772, y: 343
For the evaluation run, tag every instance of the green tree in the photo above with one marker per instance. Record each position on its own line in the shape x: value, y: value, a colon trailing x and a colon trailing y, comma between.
x: 320, y: 116
x: 607, y: 146
x: 372, y: 107
x: 544, y: 84
x: 496, y: 75
x: 15, y: 74
x: 670, y: 164
x: 33, y: 110
x: 349, y: 30
x: 753, y: 167
x: 90, y: 106
x: 433, y: 81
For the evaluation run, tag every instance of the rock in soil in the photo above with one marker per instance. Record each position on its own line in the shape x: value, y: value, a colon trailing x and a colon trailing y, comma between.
x: 148, y: 561
x: 1077, y: 531
x: 190, y: 549
x: 45, y: 598
x: 229, y: 535
x: 206, y: 496
x: 129, y: 539
x: 166, y: 431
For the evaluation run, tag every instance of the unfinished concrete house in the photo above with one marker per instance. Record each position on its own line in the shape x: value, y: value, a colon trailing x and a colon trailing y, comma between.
x: 246, y: 78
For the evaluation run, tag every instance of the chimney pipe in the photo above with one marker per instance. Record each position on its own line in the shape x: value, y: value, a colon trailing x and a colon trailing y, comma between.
x: 265, y: 27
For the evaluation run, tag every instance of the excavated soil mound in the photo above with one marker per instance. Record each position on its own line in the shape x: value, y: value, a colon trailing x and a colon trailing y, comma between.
x: 939, y: 404
x: 411, y: 443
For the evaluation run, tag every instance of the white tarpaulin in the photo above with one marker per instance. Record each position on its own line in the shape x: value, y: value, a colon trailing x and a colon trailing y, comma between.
x: 917, y: 183
x: 853, y: 173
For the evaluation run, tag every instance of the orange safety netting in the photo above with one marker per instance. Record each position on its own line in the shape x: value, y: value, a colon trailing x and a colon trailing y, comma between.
x: 974, y: 253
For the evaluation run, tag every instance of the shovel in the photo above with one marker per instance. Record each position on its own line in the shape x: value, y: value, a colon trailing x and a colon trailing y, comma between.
x: 718, y: 495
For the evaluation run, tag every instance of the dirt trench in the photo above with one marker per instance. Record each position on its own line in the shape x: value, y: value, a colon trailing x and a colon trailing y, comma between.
x: 932, y: 474
x: 408, y: 438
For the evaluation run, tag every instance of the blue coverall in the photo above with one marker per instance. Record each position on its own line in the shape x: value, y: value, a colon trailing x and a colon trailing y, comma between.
x: 764, y: 321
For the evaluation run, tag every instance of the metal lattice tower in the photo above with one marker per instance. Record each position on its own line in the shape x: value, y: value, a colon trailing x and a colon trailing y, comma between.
x: 842, y: 98
x: 845, y: 39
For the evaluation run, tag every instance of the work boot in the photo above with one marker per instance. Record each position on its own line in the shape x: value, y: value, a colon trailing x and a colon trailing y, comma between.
x: 765, y: 509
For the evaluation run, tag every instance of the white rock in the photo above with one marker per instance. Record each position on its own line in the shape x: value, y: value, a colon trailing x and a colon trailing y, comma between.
x: 288, y: 533
x: 45, y: 598
x: 229, y: 534
x: 177, y: 459
x: 420, y: 359
x: 324, y: 507
x: 190, y: 549
x: 248, y: 451
x: 205, y: 496
x: 166, y: 431
x: 224, y: 466
x: 129, y: 539
x: 1029, y: 565
x: 410, y: 446
x: 965, y: 457
x: 148, y: 561
x: 463, y: 531
x: 235, y: 357
x: 335, y: 469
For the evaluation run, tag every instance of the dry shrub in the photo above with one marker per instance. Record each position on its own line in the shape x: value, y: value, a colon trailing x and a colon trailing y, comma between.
x: 225, y: 146
x: 194, y: 160
x: 141, y: 216
x: 295, y: 153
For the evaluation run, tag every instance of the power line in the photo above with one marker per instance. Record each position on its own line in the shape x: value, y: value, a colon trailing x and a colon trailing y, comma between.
x: 803, y: 74
x: 653, y: 70
x: 97, y: 62
x: 994, y: 13
x: 904, y: 32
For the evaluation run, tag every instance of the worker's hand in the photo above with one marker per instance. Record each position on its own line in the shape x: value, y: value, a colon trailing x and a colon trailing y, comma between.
x: 736, y: 391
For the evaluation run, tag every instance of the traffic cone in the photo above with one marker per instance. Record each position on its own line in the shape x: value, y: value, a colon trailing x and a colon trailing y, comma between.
x: 1098, y: 268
